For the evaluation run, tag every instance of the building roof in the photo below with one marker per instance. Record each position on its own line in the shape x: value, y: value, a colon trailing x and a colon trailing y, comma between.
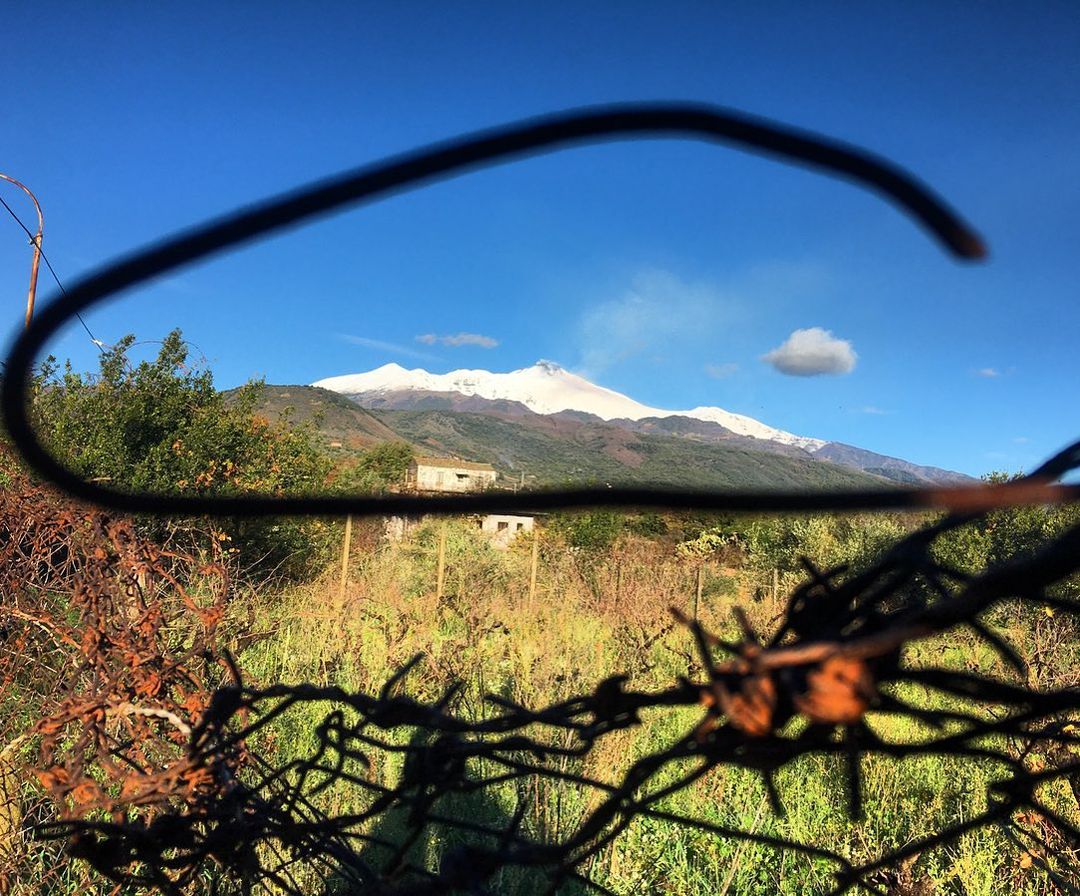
x: 452, y: 463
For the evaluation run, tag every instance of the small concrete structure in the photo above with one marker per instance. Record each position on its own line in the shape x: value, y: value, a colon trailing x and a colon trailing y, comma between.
x: 444, y: 474
x: 396, y: 528
x: 503, y: 528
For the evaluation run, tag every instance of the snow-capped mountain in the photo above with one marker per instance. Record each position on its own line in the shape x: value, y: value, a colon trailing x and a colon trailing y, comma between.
x: 547, y: 388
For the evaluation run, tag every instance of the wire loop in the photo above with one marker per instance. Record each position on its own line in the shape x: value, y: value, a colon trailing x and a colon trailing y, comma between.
x: 467, y: 153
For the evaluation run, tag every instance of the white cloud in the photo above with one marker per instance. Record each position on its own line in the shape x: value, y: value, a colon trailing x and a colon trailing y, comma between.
x: 658, y: 311
x: 1021, y: 440
x: 390, y: 347
x: 812, y: 352
x: 454, y: 341
x: 873, y: 410
x: 721, y: 371
x: 988, y: 372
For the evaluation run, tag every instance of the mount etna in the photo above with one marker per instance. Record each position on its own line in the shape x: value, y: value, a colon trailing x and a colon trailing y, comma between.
x: 547, y: 426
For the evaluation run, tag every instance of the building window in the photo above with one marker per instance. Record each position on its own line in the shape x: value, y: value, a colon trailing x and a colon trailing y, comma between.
x: 520, y: 526
x: 503, y: 526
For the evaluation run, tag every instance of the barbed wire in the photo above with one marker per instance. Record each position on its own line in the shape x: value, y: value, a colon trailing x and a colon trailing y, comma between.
x: 157, y: 777
x: 192, y: 793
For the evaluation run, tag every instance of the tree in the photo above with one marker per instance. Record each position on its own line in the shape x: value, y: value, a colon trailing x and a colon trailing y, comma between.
x: 1007, y: 534
x: 160, y: 426
x: 377, y: 470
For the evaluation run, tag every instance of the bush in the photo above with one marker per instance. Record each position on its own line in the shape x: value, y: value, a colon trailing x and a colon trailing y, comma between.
x: 1005, y: 534
x: 647, y: 525
x: 595, y: 531
x: 828, y: 540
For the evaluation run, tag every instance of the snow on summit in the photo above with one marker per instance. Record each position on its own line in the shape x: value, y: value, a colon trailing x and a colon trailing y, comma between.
x: 547, y: 388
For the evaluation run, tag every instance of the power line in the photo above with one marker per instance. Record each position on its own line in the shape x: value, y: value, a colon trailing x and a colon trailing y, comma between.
x: 33, y: 239
x: 18, y: 220
x: 97, y: 342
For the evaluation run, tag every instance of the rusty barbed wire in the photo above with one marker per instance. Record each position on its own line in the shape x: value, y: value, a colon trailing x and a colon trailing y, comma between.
x: 194, y: 794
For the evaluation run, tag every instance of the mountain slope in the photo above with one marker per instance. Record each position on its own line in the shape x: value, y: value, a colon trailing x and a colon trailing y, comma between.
x: 890, y: 467
x: 578, y: 447
x: 685, y: 427
x: 560, y: 451
x: 334, y: 416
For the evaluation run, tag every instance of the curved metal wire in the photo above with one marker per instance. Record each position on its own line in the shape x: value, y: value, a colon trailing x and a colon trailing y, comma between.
x: 423, y: 166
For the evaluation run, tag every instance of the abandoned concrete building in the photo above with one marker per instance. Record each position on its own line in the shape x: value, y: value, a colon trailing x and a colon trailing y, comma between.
x: 446, y: 474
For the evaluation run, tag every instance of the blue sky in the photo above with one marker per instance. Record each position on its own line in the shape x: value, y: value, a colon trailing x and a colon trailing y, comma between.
x: 663, y: 269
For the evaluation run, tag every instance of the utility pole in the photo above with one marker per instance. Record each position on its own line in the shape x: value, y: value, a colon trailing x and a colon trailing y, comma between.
x: 35, y: 241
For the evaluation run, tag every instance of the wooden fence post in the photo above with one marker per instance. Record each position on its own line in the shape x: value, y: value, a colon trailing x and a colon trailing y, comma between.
x: 11, y: 817
x: 697, y: 593
x: 346, y: 544
x: 532, y: 570
x: 441, y: 576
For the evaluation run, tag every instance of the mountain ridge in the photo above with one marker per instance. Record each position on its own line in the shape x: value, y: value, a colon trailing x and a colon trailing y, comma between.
x: 547, y: 390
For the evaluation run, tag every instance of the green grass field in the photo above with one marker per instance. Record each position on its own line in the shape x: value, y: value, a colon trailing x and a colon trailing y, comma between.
x: 485, y: 632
